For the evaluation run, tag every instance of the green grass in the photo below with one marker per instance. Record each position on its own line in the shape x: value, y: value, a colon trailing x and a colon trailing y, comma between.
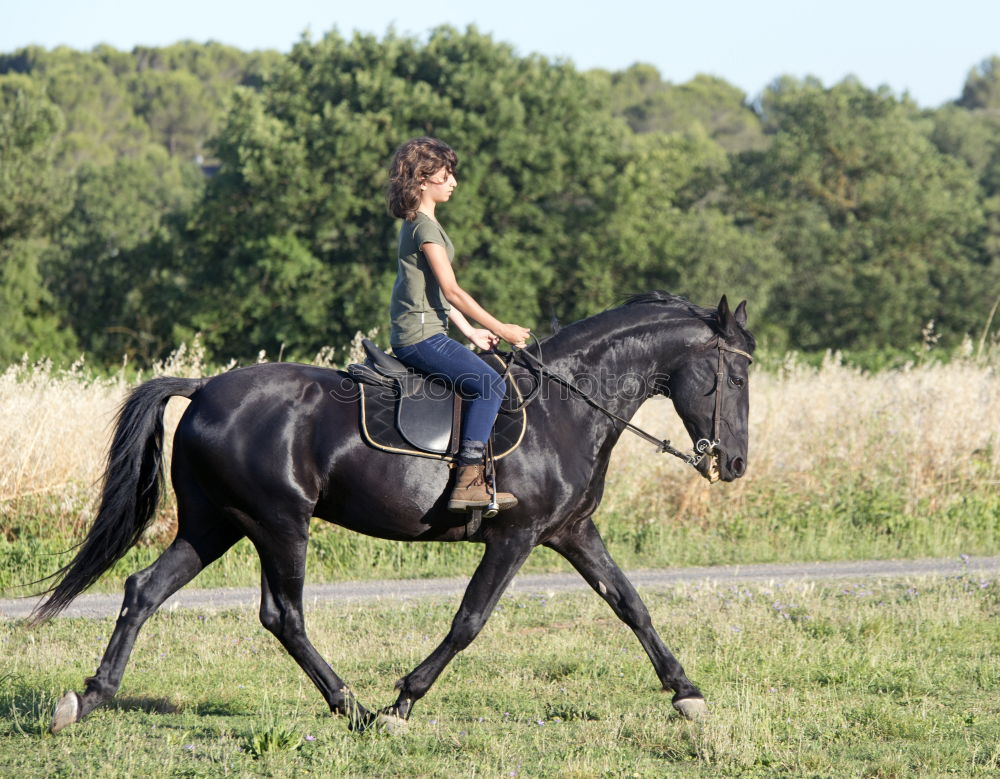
x: 847, y: 523
x: 880, y: 679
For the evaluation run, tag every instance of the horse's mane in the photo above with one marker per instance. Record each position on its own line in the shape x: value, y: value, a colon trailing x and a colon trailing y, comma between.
x: 676, y: 304
x: 670, y: 300
x: 682, y: 305
x: 656, y: 296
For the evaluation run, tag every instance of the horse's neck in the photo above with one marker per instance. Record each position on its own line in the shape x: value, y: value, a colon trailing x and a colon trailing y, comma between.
x: 621, y: 362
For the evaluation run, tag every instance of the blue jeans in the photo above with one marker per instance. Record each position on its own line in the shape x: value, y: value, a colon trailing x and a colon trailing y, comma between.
x: 443, y: 357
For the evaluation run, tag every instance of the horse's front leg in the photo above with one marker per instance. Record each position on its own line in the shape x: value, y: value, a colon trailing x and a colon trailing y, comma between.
x: 503, y: 557
x: 582, y: 545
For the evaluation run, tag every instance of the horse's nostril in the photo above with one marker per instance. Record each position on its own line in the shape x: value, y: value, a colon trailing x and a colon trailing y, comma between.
x: 738, y: 467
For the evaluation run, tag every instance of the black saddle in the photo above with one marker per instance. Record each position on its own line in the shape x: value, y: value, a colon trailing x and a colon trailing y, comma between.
x: 409, y: 413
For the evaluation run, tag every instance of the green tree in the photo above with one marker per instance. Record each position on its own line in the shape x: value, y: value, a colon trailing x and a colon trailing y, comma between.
x: 705, y: 103
x: 294, y: 229
x: 134, y: 122
x: 217, y: 66
x: 879, y: 228
x: 33, y: 197
x: 100, y: 124
x: 969, y: 135
x: 115, y: 271
x: 183, y: 90
x: 973, y: 136
x: 982, y: 86
x: 178, y: 109
x: 667, y: 231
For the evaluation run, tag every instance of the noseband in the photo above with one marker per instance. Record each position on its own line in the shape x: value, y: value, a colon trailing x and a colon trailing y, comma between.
x: 703, y: 447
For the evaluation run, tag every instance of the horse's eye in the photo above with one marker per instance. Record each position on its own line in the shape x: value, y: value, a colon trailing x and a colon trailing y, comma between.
x: 737, y: 382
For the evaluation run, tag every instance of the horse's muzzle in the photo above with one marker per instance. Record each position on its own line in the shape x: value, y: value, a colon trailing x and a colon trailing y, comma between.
x: 711, y: 467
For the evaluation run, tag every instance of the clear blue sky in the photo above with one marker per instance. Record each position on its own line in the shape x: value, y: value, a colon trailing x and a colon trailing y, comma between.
x: 918, y: 46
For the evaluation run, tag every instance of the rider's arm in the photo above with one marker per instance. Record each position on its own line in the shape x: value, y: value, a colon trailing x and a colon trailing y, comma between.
x: 459, y: 320
x: 437, y: 258
x: 484, y: 339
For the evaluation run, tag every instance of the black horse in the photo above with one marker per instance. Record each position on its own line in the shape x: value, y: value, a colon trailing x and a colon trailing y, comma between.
x: 262, y: 449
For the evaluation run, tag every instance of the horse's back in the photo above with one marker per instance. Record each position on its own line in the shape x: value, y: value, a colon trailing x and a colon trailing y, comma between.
x: 270, y: 383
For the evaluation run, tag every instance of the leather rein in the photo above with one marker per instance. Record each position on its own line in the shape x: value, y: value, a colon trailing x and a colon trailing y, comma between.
x: 702, y: 448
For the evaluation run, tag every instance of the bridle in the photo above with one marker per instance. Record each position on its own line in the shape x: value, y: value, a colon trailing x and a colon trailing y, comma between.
x: 703, y: 447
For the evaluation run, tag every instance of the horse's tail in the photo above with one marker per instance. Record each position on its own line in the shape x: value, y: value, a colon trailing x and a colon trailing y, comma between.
x: 130, y: 491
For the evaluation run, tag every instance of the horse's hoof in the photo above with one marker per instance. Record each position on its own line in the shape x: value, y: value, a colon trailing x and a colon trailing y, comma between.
x: 692, y: 708
x: 67, y: 712
x: 391, y: 724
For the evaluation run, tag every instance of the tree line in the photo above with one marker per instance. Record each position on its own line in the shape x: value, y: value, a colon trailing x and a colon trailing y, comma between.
x: 150, y: 195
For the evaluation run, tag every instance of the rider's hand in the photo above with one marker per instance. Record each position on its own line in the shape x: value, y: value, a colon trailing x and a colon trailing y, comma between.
x: 483, y: 339
x: 515, y: 335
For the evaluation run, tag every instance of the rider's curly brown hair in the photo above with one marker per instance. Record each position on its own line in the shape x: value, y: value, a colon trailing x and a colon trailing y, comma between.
x: 413, y: 163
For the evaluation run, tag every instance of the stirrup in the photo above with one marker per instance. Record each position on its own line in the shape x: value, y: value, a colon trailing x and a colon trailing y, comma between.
x: 490, y: 477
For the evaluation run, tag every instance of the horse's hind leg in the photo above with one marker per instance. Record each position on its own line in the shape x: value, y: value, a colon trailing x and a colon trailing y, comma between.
x: 583, y: 547
x: 283, y: 562
x: 201, y: 539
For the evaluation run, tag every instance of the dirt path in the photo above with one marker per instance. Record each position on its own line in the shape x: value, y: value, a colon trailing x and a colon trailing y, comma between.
x: 248, y: 597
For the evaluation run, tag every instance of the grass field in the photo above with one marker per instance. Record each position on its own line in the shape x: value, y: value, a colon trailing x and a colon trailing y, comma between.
x: 878, y: 679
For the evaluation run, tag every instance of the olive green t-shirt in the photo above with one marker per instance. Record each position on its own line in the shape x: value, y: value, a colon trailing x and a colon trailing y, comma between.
x: 418, y: 309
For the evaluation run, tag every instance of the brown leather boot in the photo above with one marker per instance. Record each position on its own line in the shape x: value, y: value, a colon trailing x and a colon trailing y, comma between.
x: 470, y: 491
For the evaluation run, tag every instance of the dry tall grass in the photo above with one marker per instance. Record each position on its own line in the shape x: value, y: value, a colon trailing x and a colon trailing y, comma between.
x: 930, y: 429
x: 53, y: 428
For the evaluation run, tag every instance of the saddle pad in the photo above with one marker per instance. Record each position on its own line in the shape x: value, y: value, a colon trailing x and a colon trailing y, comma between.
x: 379, y: 429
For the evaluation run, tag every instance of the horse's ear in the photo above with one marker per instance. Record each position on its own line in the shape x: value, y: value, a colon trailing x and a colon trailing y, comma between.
x: 741, y: 314
x: 727, y: 322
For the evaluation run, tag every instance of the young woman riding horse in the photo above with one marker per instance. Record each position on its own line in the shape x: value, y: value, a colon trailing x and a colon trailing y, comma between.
x: 262, y: 449
x: 426, y: 295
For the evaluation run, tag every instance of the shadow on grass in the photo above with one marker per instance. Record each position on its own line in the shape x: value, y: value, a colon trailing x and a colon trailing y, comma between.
x: 26, y: 709
x: 151, y: 705
x: 221, y: 709
x: 144, y: 704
